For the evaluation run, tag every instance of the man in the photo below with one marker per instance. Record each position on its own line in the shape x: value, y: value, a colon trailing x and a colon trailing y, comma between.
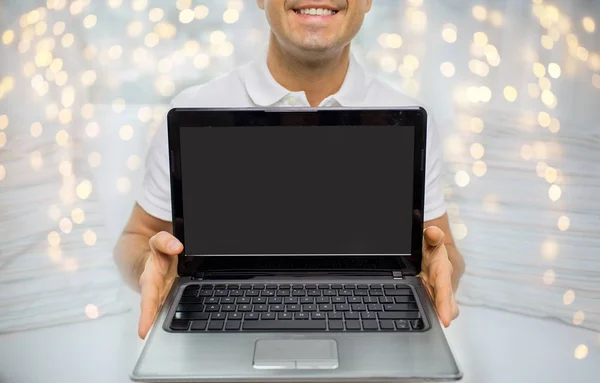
x: 308, y: 63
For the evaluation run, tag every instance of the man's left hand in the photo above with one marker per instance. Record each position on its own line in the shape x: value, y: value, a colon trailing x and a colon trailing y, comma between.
x: 436, y: 274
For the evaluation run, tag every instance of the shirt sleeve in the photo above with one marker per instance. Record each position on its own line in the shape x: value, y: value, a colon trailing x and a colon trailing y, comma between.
x: 435, y: 205
x: 155, y: 197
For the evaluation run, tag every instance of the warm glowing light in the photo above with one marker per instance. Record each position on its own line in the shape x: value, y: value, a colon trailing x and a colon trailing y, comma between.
x: 65, y: 225
x: 94, y: 159
x: 549, y: 277
x: 8, y: 37
x: 3, y: 121
x: 581, y: 352
x: 578, y: 318
x: 588, y: 24
x: 545, y: 83
x: 91, y: 311
x: 54, y: 239
x: 554, y: 70
x: 230, y: 16
x: 90, y: 238
x: 547, y: 42
x: 218, y: 37
x: 510, y: 93
x: 118, y: 105
x: 479, y: 67
x: 476, y: 125
x: 90, y: 21
x: 550, y: 174
x: 126, y: 132
x: 569, y: 297
x: 447, y: 69
x: 449, y: 33
x: 527, y: 152
x: 77, y: 215
x: 156, y: 15
x: 496, y: 18
x: 2, y: 139
x: 186, y: 16
x: 62, y: 137
x: 201, y: 61
x: 139, y: 5
x: 480, y: 38
x: 549, y: 249
x: 480, y: 13
x: 84, y: 189
x: 539, y: 70
x: 544, y: 119
x: 2, y: 172
x: 87, y: 111
x: 462, y: 178
x: 554, y: 192
x: 540, y: 168
x: 479, y: 168
x: 477, y: 150
x: 151, y: 39
x: 549, y: 99
x: 563, y: 223
x: 65, y: 168
x: 114, y: 4
x: 583, y: 54
x: 67, y: 40
x: 183, y: 4
x: 36, y: 160
x: 200, y: 12
x: 460, y: 231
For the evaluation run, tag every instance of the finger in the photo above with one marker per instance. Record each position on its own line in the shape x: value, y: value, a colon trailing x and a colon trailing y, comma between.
x: 165, y: 243
x: 433, y: 236
x: 455, y: 310
x: 150, y: 291
x: 442, y: 285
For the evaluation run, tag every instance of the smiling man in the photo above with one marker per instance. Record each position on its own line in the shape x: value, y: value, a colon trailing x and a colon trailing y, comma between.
x: 308, y: 63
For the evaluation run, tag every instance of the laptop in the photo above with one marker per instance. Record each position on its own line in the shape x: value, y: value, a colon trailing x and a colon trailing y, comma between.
x: 302, y: 232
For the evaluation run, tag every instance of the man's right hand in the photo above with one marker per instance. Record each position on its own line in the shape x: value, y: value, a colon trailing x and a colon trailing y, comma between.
x: 160, y: 270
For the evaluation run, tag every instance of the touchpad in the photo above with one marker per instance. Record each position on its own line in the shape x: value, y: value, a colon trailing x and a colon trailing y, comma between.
x: 271, y: 354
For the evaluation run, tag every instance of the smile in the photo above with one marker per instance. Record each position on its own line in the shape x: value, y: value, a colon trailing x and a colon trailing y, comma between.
x: 316, y: 12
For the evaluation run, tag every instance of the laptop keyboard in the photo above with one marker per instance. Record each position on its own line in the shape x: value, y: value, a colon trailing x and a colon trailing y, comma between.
x: 297, y: 307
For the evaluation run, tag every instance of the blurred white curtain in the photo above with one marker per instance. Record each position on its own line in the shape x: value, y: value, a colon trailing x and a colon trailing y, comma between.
x: 514, y: 86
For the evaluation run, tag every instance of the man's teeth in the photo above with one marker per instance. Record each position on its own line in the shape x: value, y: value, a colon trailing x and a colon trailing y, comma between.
x: 316, y: 12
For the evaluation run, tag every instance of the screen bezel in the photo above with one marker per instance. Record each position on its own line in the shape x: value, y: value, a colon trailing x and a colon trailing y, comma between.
x: 178, y: 118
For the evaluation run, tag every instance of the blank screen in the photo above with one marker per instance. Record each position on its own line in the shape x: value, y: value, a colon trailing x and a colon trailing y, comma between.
x: 319, y: 190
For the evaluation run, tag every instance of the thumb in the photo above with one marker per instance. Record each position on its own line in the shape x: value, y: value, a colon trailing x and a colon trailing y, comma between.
x: 166, y: 243
x: 433, y: 236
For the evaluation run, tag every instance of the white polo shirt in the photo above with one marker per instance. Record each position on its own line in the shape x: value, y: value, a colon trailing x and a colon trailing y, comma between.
x: 253, y: 85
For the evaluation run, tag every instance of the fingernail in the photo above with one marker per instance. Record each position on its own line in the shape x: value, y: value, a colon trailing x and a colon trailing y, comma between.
x: 174, y: 245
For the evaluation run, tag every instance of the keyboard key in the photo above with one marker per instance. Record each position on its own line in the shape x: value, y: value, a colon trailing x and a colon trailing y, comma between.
x: 307, y: 300
x: 342, y: 307
x: 389, y: 286
x: 353, y: 316
x: 387, y: 324
x: 368, y: 316
x: 261, y: 308
x: 361, y: 293
x: 353, y: 325
x: 276, y: 308
x: 336, y: 325
x: 212, y: 308
x: 199, y: 325
x: 236, y: 293
x: 235, y: 316
x: 336, y: 286
x: 212, y: 301
x: 362, y: 287
x: 301, y: 316
x: 354, y: 300
x: 345, y: 293
x: 326, y: 307
x: 179, y: 324
x: 233, y: 287
x: 267, y: 293
x: 242, y: 300
x: 221, y: 293
x: 291, y: 308
x: 311, y: 286
x: 290, y: 301
x: 323, y: 300
x: 228, y: 308
x: 396, y: 292
x: 228, y: 301
x: 244, y: 308
x: 350, y: 286
x: 359, y: 307
x: 398, y: 315
x: 318, y: 316
x: 314, y: 293
x: 233, y: 325
x: 192, y: 315
x: 406, y: 287
x: 284, y: 316
x: 370, y: 300
x: 271, y: 286
x: 298, y: 293
x: 252, y: 293
x: 376, y: 292
x: 267, y: 316
x: 259, y: 286
x: 216, y: 325
x: 283, y: 293
x: 417, y: 324
x: 190, y: 291
x: 218, y: 316
x: 374, y: 307
x: 329, y: 293
x: 206, y: 287
x: 370, y: 325
x: 298, y: 286
x: 308, y: 308
x: 402, y: 325
x: 338, y: 300
x: 323, y: 286
x: 288, y: 325
x: 401, y: 307
x: 220, y: 287
x: 191, y: 299
x: 245, y: 286
x: 335, y: 316
x: 251, y: 316
x: 404, y: 299
x: 259, y: 301
x: 275, y: 300
x: 205, y: 293
x: 386, y: 299
x: 190, y: 307
x: 285, y: 286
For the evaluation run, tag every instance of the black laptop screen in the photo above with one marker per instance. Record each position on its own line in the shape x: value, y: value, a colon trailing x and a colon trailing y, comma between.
x: 280, y: 190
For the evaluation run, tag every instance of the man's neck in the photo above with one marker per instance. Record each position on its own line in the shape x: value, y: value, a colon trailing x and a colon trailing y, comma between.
x: 318, y: 78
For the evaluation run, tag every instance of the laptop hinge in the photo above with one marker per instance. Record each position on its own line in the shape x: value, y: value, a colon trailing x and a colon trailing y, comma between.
x: 199, y: 276
x: 397, y: 274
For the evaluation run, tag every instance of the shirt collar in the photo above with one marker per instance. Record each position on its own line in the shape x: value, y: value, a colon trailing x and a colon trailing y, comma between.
x: 265, y: 91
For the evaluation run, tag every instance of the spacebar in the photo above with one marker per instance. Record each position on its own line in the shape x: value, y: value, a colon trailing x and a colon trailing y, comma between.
x: 285, y: 325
